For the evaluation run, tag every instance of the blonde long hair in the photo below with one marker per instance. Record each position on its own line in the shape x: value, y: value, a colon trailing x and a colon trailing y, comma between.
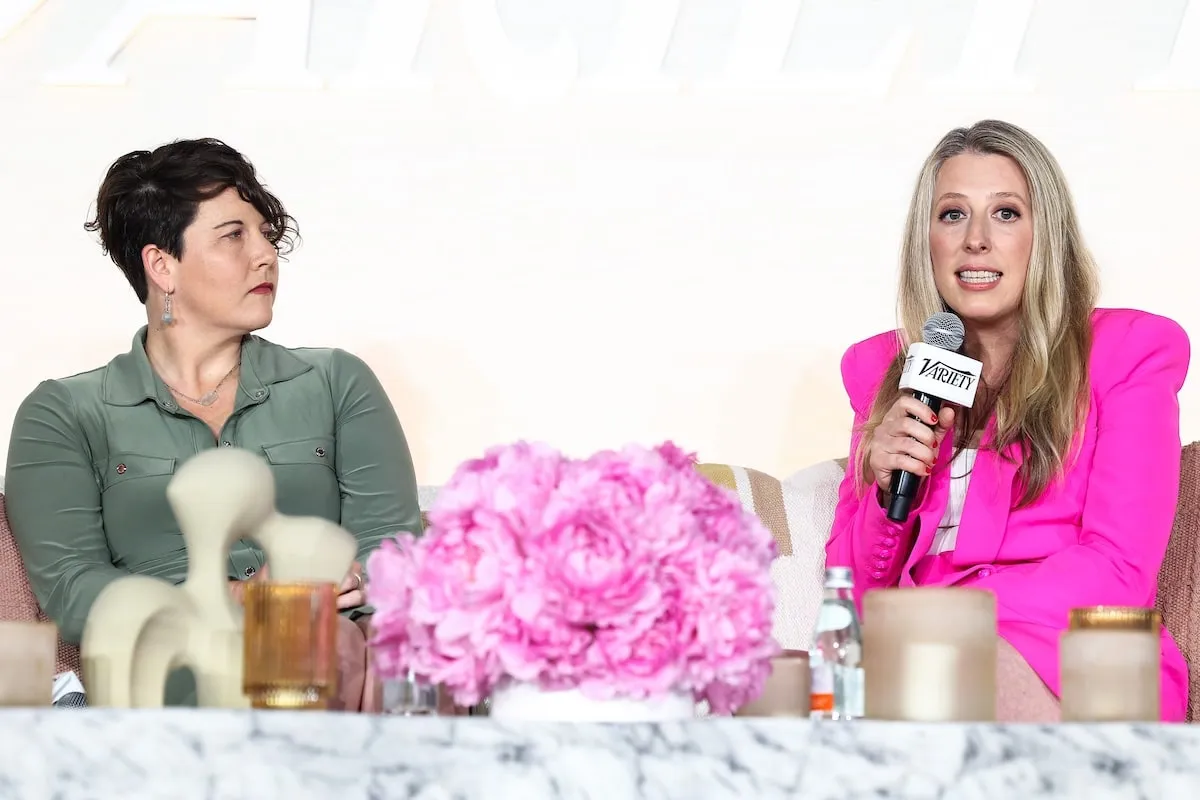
x: 1042, y: 404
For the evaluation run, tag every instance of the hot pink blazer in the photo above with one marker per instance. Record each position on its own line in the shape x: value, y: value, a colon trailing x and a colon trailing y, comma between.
x: 1097, y: 536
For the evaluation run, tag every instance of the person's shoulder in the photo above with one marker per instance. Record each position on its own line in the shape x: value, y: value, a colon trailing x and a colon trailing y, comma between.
x: 1113, y: 326
x: 340, y: 365
x: 872, y: 355
x: 1125, y: 340
x: 79, y: 386
x: 325, y: 356
x: 81, y: 383
x: 880, y: 347
x: 864, y: 364
x: 312, y: 356
x: 55, y: 400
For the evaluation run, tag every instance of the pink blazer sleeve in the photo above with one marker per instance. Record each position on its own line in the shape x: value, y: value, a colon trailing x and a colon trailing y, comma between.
x: 862, y: 536
x: 1132, y: 486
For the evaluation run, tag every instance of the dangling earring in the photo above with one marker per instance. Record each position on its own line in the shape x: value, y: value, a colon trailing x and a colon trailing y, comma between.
x: 167, y: 316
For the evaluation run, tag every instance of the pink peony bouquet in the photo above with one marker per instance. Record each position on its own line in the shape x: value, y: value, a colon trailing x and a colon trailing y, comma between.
x: 626, y: 574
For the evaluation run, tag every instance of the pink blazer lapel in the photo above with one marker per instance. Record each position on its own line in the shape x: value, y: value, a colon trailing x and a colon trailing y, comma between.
x: 990, y: 497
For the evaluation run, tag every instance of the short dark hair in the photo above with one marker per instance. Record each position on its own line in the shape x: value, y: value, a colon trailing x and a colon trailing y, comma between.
x: 151, y: 197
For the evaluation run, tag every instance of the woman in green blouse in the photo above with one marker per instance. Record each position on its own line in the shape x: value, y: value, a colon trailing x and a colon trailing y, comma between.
x: 198, y: 237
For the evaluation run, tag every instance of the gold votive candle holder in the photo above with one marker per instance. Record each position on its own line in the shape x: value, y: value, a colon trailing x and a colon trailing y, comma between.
x: 290, y: 645
x: 929, y: 654
x: 27, y: 651
x: 787, y: 691
x: 1110, y: 662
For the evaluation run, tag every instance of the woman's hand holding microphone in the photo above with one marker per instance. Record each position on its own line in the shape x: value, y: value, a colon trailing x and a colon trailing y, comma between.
x: 904, y: 440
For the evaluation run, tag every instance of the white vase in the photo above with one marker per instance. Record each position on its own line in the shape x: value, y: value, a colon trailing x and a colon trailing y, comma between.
x: 526, y: 702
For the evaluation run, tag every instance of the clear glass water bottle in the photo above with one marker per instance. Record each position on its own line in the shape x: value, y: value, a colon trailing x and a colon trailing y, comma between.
x: 835, y: 655
x: 410, y: 697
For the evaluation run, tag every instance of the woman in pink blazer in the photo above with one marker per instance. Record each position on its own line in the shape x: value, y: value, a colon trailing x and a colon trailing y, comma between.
x: 1071, y: 450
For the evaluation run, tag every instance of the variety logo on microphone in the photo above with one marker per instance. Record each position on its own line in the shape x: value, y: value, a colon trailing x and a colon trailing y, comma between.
x: 941, y: 373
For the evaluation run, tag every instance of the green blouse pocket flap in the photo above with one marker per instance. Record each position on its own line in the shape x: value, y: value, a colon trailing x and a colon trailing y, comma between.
x: 305, y: 451
x: 128, y: 466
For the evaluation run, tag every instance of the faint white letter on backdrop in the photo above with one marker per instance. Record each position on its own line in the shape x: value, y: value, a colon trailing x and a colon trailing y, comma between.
x: 874, y: 79
x: 990, y: 50
x: 761, y: 37
x: 760, y: 44
x: 385, y: 60
x: 1183, y: 72
x: 635, y: 60
x: 280, y: 46
x: 513, y: 73
x: 764, y: 35
x: 13, y: 13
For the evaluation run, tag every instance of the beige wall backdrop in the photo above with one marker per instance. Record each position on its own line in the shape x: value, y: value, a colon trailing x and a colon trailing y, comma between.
x: 587, y: 221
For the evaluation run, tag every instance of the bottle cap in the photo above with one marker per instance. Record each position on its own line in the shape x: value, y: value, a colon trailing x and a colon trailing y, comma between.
x: 1115, y: 618
x: 839, y: 578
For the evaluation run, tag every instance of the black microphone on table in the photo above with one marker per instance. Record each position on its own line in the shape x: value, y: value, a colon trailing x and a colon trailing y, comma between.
x: 935, y: 373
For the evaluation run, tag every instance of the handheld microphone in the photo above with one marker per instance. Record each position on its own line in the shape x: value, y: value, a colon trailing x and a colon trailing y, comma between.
x: 936, y: 373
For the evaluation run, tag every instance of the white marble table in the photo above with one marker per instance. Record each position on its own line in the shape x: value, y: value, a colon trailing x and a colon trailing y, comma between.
x: 80, y: 754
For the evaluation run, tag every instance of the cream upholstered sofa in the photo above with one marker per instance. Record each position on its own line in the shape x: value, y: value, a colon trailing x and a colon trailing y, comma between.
x: 799, y: 513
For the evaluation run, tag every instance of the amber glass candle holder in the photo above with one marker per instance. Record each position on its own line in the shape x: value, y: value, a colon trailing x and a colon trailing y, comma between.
x: 929, y: 654
x: 27, y: 652
x: 290, y: 652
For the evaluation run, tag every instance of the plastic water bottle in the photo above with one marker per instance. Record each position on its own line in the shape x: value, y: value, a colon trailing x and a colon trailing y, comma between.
x: 836, y: 652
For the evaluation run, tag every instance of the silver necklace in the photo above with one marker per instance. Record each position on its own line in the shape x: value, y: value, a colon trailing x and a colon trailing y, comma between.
x: 208, y: 399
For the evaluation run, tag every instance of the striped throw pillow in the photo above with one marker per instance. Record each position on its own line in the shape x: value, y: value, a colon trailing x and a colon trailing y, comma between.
x: 799, y: 514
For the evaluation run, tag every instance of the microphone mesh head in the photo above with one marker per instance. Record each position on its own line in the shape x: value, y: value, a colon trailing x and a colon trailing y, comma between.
x: 944, y: 330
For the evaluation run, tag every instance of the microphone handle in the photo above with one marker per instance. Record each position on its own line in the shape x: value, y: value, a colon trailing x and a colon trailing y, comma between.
x: 905, y: 485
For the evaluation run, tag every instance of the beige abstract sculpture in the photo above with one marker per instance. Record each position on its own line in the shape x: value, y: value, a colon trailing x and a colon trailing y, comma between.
x: 141, y: 628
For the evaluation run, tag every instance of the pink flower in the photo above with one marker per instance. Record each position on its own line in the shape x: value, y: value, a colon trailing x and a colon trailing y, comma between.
x: 624, y: 574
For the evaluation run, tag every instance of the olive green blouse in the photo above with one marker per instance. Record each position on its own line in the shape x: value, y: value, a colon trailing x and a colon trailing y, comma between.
x: 91, y: 456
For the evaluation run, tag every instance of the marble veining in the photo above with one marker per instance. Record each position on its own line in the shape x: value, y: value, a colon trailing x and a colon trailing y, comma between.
x: 79, y: 754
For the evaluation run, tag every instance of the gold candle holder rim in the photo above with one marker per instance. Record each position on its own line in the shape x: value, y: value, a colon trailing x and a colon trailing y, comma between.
x: 968, y: 597
x: 790, y: 652
x: 1115, y: 618
x: 33, y: 624
x: 913, y: 591
x: 286, y: 588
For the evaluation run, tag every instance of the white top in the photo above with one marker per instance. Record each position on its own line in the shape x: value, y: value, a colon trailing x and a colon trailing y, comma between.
x: 960, y: 477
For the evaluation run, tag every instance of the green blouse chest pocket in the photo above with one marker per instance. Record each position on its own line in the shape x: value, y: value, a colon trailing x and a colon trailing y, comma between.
x: 317, y: 451
x: 125, y: 467
x: 306, y: 481
x: 138, y: 521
